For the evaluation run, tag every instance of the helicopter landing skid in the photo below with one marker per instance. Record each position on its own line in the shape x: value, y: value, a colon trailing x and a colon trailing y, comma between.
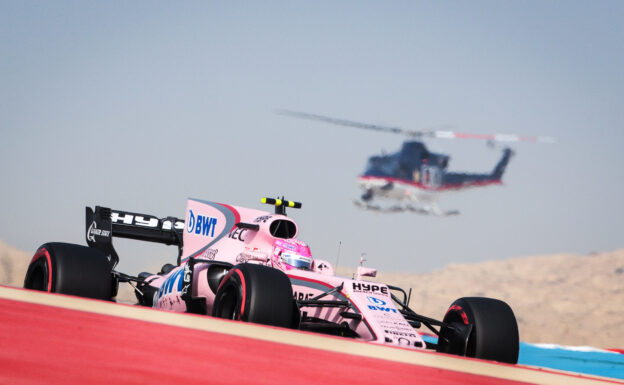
x: 405, y: 208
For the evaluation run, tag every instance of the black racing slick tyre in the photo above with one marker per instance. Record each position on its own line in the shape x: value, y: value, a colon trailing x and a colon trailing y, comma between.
x: 71, y: 269
x: 491, y: 330
x: 256, y: 293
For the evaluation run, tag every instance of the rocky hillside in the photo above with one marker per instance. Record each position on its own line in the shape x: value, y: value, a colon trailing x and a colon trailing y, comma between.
x: 13, y: 264
x: 566, y: 299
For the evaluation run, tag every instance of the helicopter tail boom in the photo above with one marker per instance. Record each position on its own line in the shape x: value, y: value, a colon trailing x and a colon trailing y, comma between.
x: 499, y: 170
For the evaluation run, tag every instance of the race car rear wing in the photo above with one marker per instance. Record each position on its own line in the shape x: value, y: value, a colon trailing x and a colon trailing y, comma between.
x: 104, y: 223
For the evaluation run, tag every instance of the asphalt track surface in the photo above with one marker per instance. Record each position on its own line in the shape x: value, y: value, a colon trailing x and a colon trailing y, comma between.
x: 57, y: 339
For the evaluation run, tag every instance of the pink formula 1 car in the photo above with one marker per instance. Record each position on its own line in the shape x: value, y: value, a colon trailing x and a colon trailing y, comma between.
x: 245, y: 264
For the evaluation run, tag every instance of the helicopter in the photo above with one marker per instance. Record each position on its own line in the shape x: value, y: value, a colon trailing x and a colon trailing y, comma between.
x: 414, y: 177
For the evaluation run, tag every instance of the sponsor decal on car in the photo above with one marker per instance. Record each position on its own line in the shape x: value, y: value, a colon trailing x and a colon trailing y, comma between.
x: 201, y: 225
x: 263, y: 218
x: 362, y: 287
x: 208, y: 254
x: 375, y: 300
x: 300, y: 296
x: 187, y: 280
x: 173, y: 283
x: 238, y: 234
x: 400, y: 334
x: 94, y: 231
x: 396, y: 324
x: 380, y: 305
x: 383, y: 309
x: 144, y: 221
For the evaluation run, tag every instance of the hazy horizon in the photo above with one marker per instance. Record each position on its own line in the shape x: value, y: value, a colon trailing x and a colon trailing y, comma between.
x: 138, y: 106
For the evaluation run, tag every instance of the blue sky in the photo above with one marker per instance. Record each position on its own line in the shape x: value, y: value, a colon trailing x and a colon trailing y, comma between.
x: 139, y: 105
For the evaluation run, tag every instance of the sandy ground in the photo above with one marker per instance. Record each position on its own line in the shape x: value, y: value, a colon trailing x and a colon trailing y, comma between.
x: 564, y: 298
x: 13, y: 265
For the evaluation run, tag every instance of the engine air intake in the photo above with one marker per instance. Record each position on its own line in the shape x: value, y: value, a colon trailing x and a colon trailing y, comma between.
x: 282, y: 228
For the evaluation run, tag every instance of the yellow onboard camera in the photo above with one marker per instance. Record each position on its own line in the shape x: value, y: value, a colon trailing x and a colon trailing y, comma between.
x: 281, y: 204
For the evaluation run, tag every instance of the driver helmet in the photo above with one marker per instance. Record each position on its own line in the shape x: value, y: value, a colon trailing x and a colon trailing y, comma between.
x: 291, y: 254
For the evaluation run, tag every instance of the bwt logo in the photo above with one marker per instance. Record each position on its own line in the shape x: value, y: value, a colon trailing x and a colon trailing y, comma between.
x: 379, y: 305
x: 173, y: 283
x: 376, y: 301
x: 201, y: 225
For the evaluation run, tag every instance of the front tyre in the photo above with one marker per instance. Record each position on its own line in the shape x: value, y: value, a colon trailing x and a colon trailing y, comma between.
x: 71, y: 269
x: 256, y: 293
x: 491, y: 326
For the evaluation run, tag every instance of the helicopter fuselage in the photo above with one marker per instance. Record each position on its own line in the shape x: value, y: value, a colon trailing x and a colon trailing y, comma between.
x: 414, y: 174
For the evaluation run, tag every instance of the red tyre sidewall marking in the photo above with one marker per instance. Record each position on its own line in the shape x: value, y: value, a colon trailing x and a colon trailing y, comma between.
x: 243, y: 286
x: 225, y: 279
x: 41, y: 252
x: 461, y: 312
x: 244, y: 293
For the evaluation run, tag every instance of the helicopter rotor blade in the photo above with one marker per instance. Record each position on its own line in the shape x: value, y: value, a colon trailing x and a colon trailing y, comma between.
x: 438, y: 134
x: 349, y: 123
x: 493, y: 137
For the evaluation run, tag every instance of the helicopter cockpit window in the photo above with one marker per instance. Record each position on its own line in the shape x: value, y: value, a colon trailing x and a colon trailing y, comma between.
x: 389, y: 166
x: 283, y: 229
x: 382, y: 166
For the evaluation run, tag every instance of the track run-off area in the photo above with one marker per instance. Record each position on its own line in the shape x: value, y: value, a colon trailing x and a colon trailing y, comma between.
x: 59, y: 339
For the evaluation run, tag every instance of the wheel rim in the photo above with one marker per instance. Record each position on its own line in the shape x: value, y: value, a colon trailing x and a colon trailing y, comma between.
x: 38, y: 278
x: 448, y: 341
x: 228, y: 304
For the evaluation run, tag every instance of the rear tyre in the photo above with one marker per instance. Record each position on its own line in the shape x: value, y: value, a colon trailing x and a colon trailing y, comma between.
x: 71, y: 269
x: 493, y: 334
x: 256, y: 293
